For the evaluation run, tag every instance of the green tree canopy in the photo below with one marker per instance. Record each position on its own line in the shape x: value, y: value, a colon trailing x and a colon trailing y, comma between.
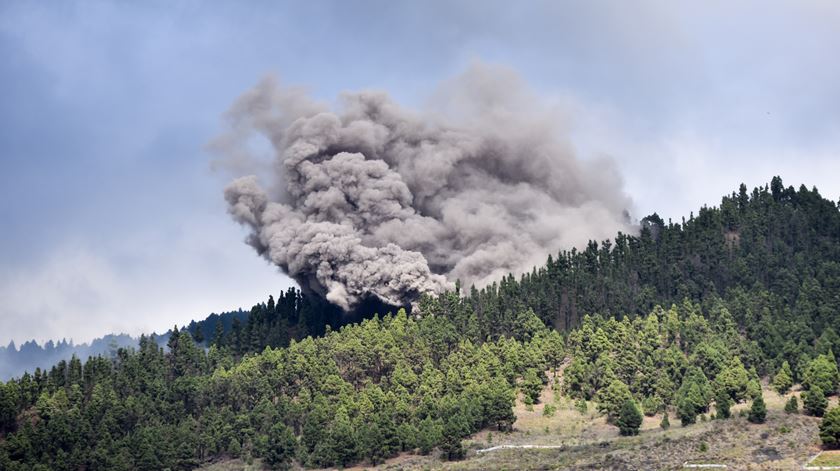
x: 792, y: 405
x: 758, y: 411
x: 814, y: 401
x: 612, y: 398
x: 830, y: 429
x: 783, y: 380
x: 822, y: 372
x: 629, y: 418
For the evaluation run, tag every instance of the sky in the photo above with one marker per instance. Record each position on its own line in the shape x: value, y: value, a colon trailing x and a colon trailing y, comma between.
x: 112, y: 217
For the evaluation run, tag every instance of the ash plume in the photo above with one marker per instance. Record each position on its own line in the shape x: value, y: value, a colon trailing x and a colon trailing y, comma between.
x: 368, y: 198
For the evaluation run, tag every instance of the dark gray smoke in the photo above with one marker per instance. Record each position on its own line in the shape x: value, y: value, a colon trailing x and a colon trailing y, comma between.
x: 372, y: 199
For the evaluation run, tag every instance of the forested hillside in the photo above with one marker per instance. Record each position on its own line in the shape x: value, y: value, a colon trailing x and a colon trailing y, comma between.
x: 681, y: 318
x: 771, y: 255
x: 364, y: 393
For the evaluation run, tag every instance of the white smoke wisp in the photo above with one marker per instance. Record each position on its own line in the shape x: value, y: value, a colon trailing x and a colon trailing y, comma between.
x: 371, y: 199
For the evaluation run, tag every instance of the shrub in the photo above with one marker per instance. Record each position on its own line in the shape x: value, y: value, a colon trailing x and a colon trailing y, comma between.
x: 665, y: 424
x: 549, y: 410
x: 758, y: 411
x: 792, y: 405
x: 629, y: 418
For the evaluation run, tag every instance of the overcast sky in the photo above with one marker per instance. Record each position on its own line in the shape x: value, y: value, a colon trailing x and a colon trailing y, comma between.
x: 111, y: 219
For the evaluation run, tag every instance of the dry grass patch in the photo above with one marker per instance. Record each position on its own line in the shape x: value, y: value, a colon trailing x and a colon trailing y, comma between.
x: 232, y: 465
x: 827, y: 458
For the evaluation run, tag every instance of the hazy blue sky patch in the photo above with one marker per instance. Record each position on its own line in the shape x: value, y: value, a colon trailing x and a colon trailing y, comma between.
x: 112, y: 218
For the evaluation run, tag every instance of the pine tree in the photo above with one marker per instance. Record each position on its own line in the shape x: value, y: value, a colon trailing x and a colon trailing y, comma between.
x: 8, y: 406
x: 531, y: 387
x: 629, y: 419
x: 281, y: 447
x: 454, y: 429
x: 697, y: 388
x: 734, y: 379
x: 612, y: 398
x: 498, y: 405
x: 235, y: 341
x: 687, y: 410
x: 198, y: 335
x: 822, y: 371
x: 234, y: 448
x: 342, y: 439
x: 690, y: 402
x: 172, y: 343
x: 814, y: 401
x: 792, y: 405
x: 651, y: 405
x: 430, y: 434
x: 219, y: 333
x: 830, y: 429
x: 758, y: 411
x: 145, y: 457
x: 783, y: 380
x: 754, y: 388
x: 722, y: 404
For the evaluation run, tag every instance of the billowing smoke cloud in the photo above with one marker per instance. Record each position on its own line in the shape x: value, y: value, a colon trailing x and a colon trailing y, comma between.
x: 372, y: 199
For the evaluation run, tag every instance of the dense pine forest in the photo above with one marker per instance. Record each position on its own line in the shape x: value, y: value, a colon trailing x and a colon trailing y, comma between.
x: 681, y: 317
x: 772, y: 257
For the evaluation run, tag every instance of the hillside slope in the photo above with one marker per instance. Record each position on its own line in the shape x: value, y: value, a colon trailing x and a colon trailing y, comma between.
x: 422, y: 387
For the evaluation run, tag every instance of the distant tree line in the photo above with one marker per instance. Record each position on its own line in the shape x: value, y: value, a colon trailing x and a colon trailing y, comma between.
x: 32, y: 356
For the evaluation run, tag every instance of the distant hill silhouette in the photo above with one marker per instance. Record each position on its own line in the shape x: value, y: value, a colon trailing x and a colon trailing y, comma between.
x: 14, y: 360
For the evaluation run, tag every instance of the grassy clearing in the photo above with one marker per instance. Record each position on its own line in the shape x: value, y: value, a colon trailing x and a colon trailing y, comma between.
x: 233, y: 465
x: 827, y: 458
